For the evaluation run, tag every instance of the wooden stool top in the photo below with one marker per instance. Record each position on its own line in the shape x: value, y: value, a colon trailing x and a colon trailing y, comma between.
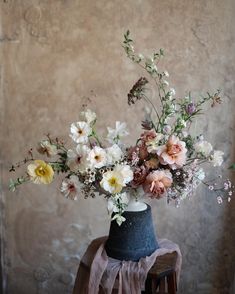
x: 163, y: 266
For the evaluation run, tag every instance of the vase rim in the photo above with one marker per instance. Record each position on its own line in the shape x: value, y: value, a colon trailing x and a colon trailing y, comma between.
x: 139, y: 212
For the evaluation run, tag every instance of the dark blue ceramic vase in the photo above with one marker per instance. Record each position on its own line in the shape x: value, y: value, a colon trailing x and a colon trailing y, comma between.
x: 135, y: 238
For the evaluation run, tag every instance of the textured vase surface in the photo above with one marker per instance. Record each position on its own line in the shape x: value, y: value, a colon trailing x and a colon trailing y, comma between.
x: 135, y: 238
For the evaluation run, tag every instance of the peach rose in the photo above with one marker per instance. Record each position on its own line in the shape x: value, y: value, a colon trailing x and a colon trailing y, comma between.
x: 157, y: 182
x: 173, y: 153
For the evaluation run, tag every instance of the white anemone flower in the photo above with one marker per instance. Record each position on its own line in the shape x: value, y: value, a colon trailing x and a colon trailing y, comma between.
x: 77, y: 160
x: 217, y: 158
x: 80, y: 132
x: 114, y: 135
x: 97, y: 157
x: 89, y: 116
x: 70, y: 187
x: 203, y: 147
x: 114, y: 154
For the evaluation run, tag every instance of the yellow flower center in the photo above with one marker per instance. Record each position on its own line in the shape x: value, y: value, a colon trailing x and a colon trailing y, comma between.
x: 40, y: 171
x: 113, y: 182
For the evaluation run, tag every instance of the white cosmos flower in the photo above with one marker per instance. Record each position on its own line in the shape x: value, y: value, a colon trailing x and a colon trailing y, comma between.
x: 70, y: 187
x: 89, y: 116
x: 80, y: 132
x: 203, y: 147
x: 217, y: 158
x: 114, y: 154
x: 97, y: 157
x: 114, y: 135
x: 77, y: 160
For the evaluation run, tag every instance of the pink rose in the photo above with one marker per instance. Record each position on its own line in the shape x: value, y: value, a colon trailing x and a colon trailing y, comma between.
x: 157, y: 182
x: 173, y: 153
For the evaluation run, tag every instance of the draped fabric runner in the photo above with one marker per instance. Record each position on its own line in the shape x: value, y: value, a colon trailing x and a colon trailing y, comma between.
x: 100, y: 274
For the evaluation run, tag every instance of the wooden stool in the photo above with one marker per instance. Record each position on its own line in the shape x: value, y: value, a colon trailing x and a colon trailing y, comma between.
x: 162, y: 275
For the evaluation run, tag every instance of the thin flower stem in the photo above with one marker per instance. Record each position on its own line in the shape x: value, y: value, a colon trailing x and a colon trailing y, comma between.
x: 96, y: 137
x: 149, y: 101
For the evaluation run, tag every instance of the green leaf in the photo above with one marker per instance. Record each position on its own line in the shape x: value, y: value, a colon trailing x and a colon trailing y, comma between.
x: 232, y: 166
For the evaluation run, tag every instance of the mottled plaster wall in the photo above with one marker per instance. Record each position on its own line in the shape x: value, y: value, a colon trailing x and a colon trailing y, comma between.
x: 55, y: 54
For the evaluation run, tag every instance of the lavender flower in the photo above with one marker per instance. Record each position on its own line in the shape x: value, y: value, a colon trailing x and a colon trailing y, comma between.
x: 190, y: 108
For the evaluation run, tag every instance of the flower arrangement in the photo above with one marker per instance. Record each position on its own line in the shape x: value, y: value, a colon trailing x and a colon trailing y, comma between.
x: 166, y: 160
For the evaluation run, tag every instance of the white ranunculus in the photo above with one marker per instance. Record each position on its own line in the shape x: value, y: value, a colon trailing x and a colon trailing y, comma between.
x: 114, y: 154
x: 97, y: 157
x: 70, y: 187
x: 80, y: 132
x: 203, y: 147
x: 114, y: 135
x: 89, y: 116
x: 77, y: 160
x: 217, y: 158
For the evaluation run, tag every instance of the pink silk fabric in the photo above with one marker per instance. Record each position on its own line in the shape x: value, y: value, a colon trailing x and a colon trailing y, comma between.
x: 100, y: 274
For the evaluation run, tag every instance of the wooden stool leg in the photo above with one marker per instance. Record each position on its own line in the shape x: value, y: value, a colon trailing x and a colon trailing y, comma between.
x: 154, y: 286
x: 171, y: 281
x: 162, y: 286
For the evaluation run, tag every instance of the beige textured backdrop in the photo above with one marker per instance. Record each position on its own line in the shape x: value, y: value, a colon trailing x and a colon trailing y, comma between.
x: 58, y: 54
